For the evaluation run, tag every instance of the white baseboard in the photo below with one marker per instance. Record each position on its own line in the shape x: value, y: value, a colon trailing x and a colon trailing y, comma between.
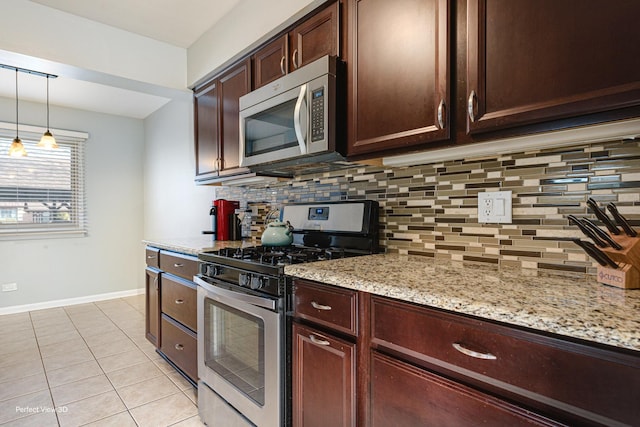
x: 70, y: 301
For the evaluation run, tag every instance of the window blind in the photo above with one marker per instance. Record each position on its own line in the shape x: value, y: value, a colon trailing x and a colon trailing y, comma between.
x: 42, y: 193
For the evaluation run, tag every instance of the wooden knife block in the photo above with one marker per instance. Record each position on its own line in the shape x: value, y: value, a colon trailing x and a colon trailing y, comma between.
x: 628, y: 275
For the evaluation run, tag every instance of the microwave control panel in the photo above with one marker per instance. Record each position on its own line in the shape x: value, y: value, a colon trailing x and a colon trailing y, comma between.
x: 317, y: 114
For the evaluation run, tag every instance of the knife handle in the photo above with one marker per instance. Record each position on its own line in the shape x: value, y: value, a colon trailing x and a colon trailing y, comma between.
x: 587, y: 231
x: 601, y: 233
x: 622, y: 221
x: 604, y: 257
x: 602, y: 216
x: 593, y: 254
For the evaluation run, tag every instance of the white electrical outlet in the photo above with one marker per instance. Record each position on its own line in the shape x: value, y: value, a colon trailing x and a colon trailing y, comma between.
x: 494, y: 207
x: 9, y: 287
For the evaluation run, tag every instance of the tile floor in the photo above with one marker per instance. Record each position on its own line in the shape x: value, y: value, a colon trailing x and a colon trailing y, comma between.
x: 88, y: 364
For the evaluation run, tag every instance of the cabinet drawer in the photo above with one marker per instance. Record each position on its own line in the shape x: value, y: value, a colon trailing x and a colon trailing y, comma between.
x: 152, y: 257
x: 403, y: 395
x: 181, y: 346
x: 184, y: 266
x: 564, y: 376
x: 326, y: 305
x: 179, y: 300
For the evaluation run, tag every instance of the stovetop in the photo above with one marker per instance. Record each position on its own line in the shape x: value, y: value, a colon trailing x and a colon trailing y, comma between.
x: 321, y: 231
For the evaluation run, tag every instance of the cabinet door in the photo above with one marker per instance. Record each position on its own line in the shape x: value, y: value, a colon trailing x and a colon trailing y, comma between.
x: 316, y: 37
x: 231, y: 86
x: 398, y: 74
x: 271, y: 62
x: 206, y: 129
x: 324, y: 378
x: 152, y: 306
x: 403, y: 395
x: 533, y: 61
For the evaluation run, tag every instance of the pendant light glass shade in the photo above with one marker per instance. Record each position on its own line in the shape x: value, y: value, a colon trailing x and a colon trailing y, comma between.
x: 47, y: 140
x: 17, y: 149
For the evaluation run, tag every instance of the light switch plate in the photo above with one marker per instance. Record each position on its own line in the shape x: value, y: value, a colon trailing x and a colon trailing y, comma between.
x: 494, y: 207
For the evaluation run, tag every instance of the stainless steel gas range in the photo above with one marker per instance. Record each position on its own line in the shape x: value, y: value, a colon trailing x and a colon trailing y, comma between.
x: 244, y: 333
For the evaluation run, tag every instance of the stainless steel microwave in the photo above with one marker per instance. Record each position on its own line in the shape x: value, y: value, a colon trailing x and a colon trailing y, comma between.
x: 292, y: 121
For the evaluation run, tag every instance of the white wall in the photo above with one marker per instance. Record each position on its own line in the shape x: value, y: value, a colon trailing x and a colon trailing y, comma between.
x: 174, y: 205
x: 110, y: 258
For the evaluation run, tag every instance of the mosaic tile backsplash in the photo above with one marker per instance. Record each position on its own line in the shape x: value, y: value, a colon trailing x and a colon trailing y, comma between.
x: 431, y: 210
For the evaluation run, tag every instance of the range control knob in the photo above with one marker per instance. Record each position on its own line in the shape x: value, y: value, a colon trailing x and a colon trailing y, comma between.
x: 256, y: 282
x: 244, y: 280
x: 212, y: 270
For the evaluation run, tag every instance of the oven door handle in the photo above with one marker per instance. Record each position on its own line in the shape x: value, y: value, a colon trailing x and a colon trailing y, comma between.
x: 267, y: 303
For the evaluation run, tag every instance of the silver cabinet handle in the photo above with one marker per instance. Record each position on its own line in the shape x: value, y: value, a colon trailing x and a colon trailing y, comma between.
x: 179, y: 301
x: 320, y: 306
x: 282, y: 65
x: 295, y: 58
x: 471, y: 105
x: 471, y: 353
x: 177, y: 265
x: 441, y: 108
x: 179, y: 347
x: 318, y: 341
x: 151, y: 257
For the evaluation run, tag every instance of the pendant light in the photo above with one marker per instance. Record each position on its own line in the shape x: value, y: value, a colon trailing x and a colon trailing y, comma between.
x: 17, y: 149
x: 47, y: 140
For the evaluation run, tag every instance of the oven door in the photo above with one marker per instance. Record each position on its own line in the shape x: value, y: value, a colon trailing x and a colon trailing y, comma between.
x: 239, y: 351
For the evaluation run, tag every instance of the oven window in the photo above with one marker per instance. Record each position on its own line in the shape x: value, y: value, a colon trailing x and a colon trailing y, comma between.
x: 270, y: 130
x: 234, y: 348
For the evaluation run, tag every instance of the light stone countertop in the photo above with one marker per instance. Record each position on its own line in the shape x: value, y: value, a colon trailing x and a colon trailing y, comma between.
x: 566, y: 304
x: 197, y: 244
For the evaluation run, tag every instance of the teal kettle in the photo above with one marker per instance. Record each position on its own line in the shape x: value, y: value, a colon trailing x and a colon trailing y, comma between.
x: 277, y: 234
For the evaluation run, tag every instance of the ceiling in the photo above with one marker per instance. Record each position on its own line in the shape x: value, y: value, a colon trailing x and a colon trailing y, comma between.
x: 176, y: 22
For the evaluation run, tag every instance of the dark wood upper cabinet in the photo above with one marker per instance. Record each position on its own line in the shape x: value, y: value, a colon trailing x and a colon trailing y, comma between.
x: 312, y: 39
x: 206, y: 129
x: 217, y: 122
x: 270, y: 62
x: 535, y: 61
x: 232, y: 85
x: 316, y: 37
x: 399, y: 77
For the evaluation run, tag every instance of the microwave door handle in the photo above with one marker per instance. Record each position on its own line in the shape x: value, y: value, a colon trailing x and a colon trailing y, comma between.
x: 296, y: 120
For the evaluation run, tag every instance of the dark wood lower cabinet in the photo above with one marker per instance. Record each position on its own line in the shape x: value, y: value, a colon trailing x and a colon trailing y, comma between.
x: 419, y: 366
x: 324, y: 379
x: 403, y: 395
x: 180, y: 345
x: 152, y: 306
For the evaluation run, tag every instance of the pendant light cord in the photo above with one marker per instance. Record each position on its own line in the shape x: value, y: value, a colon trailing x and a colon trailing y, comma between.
x: 47, y: 103
x: 17, y: 121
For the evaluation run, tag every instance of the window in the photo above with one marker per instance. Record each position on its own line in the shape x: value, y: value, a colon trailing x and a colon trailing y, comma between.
x: 42, y: 193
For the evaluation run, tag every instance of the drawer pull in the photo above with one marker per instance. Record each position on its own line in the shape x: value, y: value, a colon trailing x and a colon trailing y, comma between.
x: 320, y: 306
x: 471, y: 353
x: 151, y: 257
x: 179, y: 347
x: 318, y: 341
x: 177, y: 265
x: 179, y: 301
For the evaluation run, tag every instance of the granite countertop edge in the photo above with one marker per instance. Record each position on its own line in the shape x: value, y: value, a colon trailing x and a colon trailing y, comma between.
x: 571, y: 305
